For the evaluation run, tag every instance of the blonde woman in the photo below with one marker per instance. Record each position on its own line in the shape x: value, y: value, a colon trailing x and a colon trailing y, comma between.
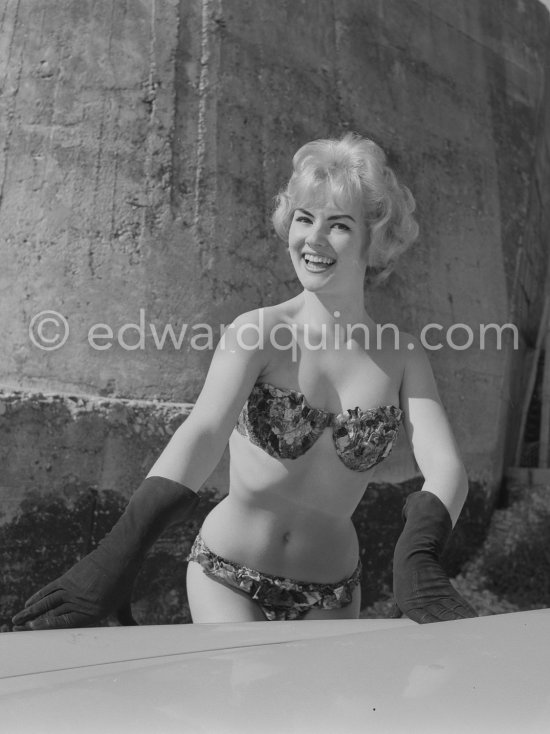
x: 310, y: 396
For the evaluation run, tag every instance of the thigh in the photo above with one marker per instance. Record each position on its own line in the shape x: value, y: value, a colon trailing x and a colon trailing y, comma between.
x: 211, y: 600
x: 351, y: 611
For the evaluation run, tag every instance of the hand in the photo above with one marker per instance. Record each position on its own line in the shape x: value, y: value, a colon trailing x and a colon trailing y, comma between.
x: 421, y: 587
x: 82, y: 597
x: 101, y: 583
x: 433, y: 598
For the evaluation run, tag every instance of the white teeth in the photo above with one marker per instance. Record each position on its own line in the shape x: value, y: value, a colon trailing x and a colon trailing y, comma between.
x: 319, y: 259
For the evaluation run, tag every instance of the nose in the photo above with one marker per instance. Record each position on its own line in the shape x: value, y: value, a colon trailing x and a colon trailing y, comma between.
x: 316, y: 236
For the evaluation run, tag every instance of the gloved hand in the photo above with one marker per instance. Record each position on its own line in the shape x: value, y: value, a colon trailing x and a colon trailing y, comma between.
x: 421, y: 588
x: 101, y: 583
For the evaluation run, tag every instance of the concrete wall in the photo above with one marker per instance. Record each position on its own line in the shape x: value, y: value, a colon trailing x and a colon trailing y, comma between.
x: 143, y: 144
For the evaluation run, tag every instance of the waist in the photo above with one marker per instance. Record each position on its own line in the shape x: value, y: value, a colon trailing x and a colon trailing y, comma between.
x: 317, y: 479
x: 281, y: 538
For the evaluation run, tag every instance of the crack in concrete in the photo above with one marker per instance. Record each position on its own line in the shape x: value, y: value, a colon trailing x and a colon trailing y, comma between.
x: 11, y: 105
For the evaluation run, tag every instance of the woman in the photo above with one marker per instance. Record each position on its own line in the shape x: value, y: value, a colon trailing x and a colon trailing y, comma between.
x: 310, y: 396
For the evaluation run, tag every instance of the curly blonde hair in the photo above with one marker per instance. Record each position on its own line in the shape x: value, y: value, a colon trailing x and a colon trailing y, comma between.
x: 337, y: 170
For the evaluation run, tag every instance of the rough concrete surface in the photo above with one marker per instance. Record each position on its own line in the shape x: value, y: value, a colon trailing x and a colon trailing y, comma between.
x: 71, y: 462
x: 142, y: 144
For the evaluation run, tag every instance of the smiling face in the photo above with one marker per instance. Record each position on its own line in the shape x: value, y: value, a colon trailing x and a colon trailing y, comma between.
x: 328, y: 245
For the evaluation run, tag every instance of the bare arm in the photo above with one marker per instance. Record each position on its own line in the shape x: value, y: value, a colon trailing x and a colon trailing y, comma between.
x: 430, y: 434
x: 421, y: 587
x: 197, y: 446
x: 102, y: 581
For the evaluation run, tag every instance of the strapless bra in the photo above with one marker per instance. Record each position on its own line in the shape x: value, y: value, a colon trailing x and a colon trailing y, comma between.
x: 281, y: 422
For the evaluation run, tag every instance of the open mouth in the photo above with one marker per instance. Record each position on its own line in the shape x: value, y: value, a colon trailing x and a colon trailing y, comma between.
x: 317, y: 263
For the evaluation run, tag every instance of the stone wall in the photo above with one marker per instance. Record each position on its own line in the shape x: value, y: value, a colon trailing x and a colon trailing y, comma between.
x: 143, y: 145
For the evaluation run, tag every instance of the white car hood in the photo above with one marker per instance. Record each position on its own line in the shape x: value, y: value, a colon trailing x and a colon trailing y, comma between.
x: 481, y: 675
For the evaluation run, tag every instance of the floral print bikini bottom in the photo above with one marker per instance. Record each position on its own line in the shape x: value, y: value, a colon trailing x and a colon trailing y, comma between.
x: 279, y: 598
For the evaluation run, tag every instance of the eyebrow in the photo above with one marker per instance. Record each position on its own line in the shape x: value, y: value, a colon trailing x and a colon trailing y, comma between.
x: 335, y: 216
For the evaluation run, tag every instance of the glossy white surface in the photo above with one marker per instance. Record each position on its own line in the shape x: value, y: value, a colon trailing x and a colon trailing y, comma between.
x: 481, y: 675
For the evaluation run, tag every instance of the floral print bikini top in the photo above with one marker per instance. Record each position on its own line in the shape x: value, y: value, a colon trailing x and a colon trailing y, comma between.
x: 281, y: 422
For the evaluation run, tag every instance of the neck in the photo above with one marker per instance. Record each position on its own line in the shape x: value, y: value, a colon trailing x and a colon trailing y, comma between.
x: 319, y: 309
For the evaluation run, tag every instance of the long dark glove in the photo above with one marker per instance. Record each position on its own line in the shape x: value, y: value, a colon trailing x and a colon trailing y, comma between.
x: 420, y: 586
x: 101, y: 583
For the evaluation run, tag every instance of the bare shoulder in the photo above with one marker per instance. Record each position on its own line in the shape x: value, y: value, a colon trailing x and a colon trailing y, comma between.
x: 393, y: 347
x: 248, y: 318
x: 252, y: 331
x: 418, y: 378
x: 402, y: 356
x: 413, y: 353
x: 245, y: 331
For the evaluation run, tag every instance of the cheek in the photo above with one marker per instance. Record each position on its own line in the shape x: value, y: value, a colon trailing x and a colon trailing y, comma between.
x: 294, y: 240
x: 294, y: 250
x: 294, y: 231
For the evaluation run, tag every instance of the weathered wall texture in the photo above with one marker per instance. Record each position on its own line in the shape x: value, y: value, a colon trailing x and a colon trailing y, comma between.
x: 142, y: 144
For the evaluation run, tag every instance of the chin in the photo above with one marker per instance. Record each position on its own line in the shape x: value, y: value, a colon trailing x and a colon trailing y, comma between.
x: 313, y: 284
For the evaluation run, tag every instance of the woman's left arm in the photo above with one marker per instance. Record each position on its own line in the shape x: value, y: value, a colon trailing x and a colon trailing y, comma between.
x: 421, y: 587
x: 430, y: 434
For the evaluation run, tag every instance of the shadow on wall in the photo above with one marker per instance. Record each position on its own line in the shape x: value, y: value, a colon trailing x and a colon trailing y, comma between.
x: 52, y: 517
x: 51, y: 531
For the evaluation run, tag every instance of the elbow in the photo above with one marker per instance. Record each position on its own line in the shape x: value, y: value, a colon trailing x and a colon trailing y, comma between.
x: 462, y: 481
x: 457, y: 481
x: 447, y: 471
x: 449, y: 481
x: 459, y: 491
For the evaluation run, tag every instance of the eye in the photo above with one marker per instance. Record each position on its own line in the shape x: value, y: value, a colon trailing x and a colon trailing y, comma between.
x: 302, y: 218
x: 343, y: 227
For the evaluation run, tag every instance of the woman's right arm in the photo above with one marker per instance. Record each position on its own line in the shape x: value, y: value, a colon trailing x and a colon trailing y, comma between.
x: 102, y: 581
x: 198, y: 444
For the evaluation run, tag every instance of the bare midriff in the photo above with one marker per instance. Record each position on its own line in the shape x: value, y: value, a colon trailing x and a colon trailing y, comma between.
x: 289, y: 518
